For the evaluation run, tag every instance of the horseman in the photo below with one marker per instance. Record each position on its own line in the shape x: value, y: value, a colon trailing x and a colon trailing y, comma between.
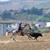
x: 20, y: 27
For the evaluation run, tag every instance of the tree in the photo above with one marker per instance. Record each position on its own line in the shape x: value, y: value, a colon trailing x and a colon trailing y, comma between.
x: 7, y: 15
x: 36, y: 11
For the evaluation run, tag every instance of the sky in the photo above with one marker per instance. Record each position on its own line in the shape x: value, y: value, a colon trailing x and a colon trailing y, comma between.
x: 18, y: 4
x: 4, y: 0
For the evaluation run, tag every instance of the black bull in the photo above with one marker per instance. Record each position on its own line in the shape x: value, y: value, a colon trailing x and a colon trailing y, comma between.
x: 36, y: 35
x: 30, y: 35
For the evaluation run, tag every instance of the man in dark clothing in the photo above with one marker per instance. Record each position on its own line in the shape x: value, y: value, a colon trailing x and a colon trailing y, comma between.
x: 20, y: 28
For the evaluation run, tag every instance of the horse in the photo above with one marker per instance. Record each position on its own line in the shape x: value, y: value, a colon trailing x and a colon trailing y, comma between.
x: 19, y: 31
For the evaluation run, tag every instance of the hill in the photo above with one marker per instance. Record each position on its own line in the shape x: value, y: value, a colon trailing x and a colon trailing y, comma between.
x: 33, y: 14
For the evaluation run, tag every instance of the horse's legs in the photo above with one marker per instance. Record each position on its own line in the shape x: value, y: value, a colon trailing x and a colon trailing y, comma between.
x: 35, y: 38
x: 29, y: 36
x: 22, y: 33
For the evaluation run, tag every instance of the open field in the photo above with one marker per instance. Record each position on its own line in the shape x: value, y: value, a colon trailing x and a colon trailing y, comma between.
x: 22, y: 43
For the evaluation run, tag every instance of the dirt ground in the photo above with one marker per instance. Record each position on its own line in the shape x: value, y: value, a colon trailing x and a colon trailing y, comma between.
x: 22, y: 43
